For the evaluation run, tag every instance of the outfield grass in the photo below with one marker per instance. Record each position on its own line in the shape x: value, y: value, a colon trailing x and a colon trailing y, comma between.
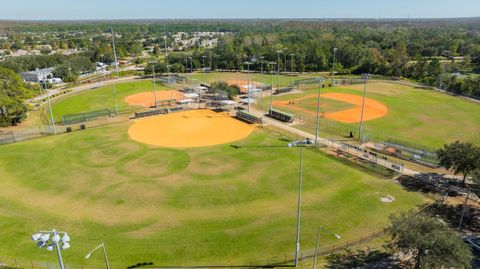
x: 212, y: 205
x: 101, y: 98
x: 422, y: 116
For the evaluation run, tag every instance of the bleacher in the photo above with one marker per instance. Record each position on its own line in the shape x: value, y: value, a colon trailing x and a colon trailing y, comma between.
x: 151, y: 113
x: 248, y: 117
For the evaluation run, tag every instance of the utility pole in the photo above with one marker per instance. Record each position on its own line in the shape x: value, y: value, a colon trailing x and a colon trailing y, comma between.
x: 116, y: 70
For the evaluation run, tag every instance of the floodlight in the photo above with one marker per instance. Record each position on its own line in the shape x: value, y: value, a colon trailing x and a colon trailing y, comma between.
x: 65, y: 238
x: 45, y: 237
x: 50, y: 247
x: 36, y: 236
x: 56, y: 238
x: 41, y: 244
x: 65, y: 245
x: 88, y: 256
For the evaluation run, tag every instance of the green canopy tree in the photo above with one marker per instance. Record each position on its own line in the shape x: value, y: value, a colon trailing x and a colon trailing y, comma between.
x: 12, y: 94
x: 428, y: 241
x: 459, y: 157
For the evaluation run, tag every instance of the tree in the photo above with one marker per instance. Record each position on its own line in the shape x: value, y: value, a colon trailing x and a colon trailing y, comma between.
x: 224, y: 90
x: 428, y: 241
x: 12, y: 94
x: 460, y: 157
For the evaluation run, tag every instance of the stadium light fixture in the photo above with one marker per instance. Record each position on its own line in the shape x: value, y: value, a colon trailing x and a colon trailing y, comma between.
x: 154, y: 83
x: 278, y: 64
x: 116, y: 70
x: 42, y: 238
x: 366, y: 77
x: 249, y: 85
x: 102, y: 245
x: 333, y: 64
x: 299, y: 144
x: 317, y: 245
x: 36, y: 237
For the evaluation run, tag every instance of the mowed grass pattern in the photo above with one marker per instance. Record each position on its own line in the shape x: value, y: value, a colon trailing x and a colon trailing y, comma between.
x: 212, y: 205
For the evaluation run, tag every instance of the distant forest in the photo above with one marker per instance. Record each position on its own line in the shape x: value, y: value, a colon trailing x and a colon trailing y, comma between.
x: 438, y: 52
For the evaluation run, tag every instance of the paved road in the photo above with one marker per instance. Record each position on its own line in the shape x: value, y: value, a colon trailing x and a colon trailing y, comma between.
x: 88, y: 86
x: 82, y: 87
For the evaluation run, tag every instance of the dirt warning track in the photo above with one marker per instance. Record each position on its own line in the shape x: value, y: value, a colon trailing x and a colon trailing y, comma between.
x: 194, y: 128
x: 373, y: 108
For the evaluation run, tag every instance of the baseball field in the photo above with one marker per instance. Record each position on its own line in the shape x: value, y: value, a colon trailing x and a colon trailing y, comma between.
x: 411, y: 114
x: 182, y: 206
x: 172, y: 190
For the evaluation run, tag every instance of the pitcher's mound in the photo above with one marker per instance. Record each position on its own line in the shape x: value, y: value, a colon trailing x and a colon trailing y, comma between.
x: 194, y: 128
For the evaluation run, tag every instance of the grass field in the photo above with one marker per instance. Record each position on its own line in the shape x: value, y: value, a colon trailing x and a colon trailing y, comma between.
x: 208, y: 205
x: 101, y: 98
x: 423, y: 116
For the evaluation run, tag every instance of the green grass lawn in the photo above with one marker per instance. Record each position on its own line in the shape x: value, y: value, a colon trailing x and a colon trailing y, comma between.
x: 214, y: 205
x: 422, y: 116
x: 101, y: 98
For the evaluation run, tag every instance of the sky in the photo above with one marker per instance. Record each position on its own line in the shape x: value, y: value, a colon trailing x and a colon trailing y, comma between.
x: 215, y: 9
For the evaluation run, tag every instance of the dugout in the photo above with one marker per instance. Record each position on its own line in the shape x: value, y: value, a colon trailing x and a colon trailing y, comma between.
x: 281, y: 116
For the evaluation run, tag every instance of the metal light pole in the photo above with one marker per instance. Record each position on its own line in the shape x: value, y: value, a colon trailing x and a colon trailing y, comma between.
x: 278, y: 65
x: 169, y: 82
x: 317, y: 245
x: 191, y: 64
x: 154, y: 83
x: 102, y: 245
x: 360, y: 130
x: 299, y: 144
x: 54, y: 129
x: 116, y: 69
x: 261, y: 64
x: 317, y: 119
x: 249, y: 85
x: 42, y: 238
x: 333, y: 64
x: 285, y: 62
x: 291, y: 67
x: 203, y: 62
x: 271, y: 64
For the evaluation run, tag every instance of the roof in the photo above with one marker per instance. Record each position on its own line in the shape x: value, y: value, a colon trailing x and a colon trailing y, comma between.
x: 40, y: 71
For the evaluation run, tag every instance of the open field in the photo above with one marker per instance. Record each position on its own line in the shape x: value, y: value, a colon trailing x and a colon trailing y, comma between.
x: 101, y: 98
x: 422, y: 116
x: 181, y: 206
